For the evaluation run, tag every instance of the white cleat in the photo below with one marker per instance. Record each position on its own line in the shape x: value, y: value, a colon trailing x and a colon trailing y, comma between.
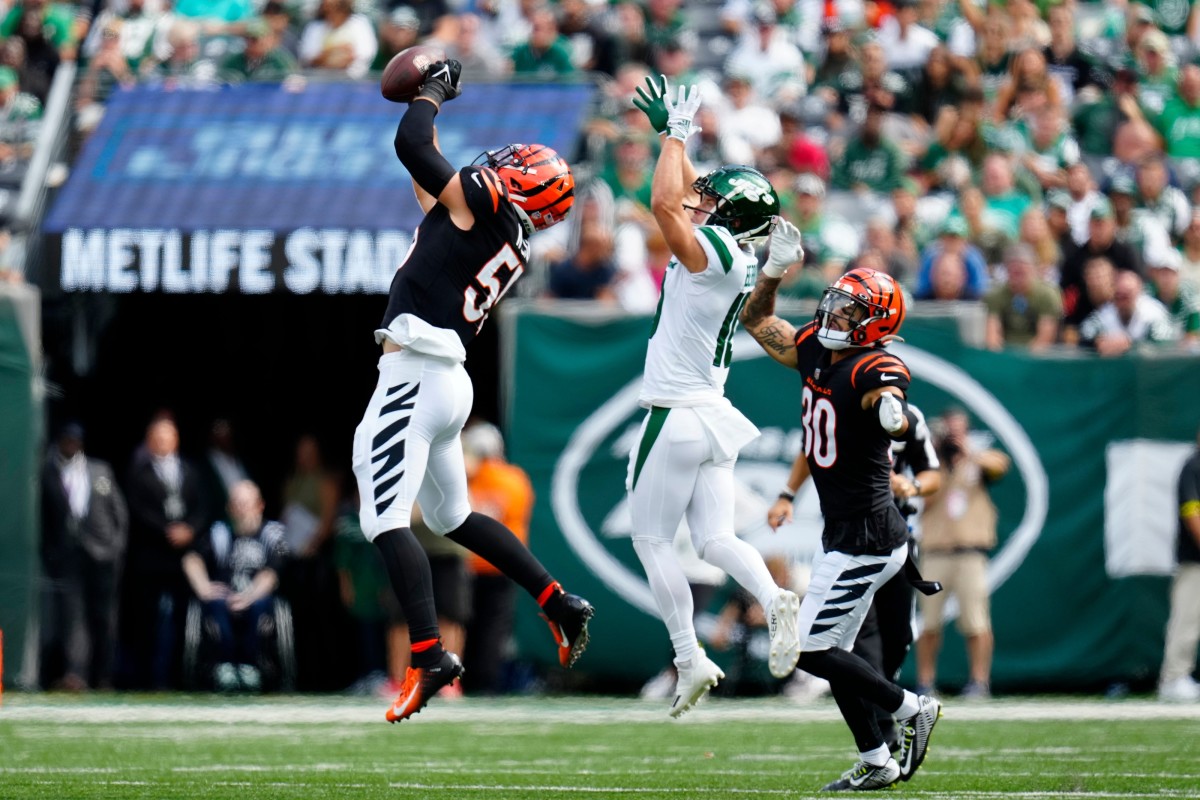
x: 694, y: 682
x: 783, y: 622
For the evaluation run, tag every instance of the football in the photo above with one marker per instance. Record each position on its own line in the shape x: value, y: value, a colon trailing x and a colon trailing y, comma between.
x: 403, y: 75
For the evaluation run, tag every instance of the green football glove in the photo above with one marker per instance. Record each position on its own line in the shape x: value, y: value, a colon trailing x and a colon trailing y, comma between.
x: 652, y: 104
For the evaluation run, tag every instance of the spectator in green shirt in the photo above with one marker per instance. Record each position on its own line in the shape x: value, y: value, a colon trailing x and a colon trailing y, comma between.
x: 261, y: 60
x: 1000, y: 194
x: 1157, y: 75
x: 1025, y: 310
x: 545, y: 54
x: 56, y: 21
x: 1180, y: 299
x: 870, y: 162
x: 1179, y: 123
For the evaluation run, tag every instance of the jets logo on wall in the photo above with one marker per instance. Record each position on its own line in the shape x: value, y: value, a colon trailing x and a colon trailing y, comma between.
x: 597, y: 536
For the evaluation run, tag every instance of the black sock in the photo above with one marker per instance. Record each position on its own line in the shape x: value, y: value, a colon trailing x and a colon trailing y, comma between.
x: 492, y: 541
x: 408, y: 568
x: 857, y: 675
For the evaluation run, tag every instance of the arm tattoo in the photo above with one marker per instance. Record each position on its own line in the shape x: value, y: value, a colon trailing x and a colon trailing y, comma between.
x: 773, y: 337
x: 761, y: 303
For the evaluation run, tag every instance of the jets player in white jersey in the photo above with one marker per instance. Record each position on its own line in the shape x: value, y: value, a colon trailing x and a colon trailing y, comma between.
x: 683, y: 463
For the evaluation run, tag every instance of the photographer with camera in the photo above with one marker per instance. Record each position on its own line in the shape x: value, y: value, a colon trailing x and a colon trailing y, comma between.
x: 958, y: 529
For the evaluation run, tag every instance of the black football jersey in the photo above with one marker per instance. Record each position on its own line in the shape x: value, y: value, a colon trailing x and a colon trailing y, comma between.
x: 452, y: 278
x: 848, y: 452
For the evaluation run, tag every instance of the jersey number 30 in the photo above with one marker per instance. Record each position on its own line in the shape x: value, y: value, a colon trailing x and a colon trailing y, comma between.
x: 820, y: 428
x: 499, y: 273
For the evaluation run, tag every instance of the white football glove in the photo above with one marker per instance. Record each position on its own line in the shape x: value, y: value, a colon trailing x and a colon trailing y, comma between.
x: 891, y: 412
x: 681, y: 113
x: 785, y: 249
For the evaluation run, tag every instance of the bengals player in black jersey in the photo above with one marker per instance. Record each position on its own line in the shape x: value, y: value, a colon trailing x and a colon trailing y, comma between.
x: 466, y: 253
x: 852, y: 407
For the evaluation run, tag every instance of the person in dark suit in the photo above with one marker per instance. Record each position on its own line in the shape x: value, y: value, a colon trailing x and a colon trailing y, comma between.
x: 85, y: 526
x: 166, y: 510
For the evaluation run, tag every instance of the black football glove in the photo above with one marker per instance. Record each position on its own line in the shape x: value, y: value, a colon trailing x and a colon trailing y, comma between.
x: 442, y: 81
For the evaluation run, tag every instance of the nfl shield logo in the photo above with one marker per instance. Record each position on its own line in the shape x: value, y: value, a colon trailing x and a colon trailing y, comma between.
x: 817, y: 374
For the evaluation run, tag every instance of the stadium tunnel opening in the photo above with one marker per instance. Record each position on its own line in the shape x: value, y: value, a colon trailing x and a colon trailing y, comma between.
x: 276, y: 366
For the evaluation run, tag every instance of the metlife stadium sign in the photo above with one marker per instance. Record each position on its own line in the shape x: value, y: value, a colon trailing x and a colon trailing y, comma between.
x: 254, y: 189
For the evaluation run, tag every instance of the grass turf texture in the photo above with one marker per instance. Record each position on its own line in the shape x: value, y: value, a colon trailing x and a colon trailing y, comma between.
x: 594, y: 747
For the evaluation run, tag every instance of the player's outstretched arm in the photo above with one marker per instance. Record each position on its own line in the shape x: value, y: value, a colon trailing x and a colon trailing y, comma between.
x: 668, y: 189
x: 776, y: 336
x: 416, y: 142
x: 782, y: 509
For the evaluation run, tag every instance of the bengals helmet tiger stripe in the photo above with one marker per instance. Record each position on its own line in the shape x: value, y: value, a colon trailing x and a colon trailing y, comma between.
x: 539, y: 182
x: 868, y: 304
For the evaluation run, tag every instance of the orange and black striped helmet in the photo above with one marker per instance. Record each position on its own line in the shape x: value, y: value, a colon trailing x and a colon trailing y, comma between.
x: 869, y: 302
x: 539, y: 182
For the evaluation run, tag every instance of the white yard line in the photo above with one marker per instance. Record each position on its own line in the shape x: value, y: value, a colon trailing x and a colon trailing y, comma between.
x: 305, y: 712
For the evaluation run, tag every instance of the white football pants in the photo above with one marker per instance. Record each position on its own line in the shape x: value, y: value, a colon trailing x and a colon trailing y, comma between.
x: 839, y: 595
x: 407, y: 446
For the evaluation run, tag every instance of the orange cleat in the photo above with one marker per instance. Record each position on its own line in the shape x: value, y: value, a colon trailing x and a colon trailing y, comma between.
x: 570, y: 629
x: 422, y: 684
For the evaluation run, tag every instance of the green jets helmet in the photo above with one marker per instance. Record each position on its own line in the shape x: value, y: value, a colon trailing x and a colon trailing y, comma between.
x: 746, y: 202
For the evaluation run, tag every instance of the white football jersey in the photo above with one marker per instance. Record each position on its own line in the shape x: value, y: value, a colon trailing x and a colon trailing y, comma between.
x: 691, y: 341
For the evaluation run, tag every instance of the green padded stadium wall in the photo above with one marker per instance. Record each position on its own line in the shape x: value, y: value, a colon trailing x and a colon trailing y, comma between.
x: 20, y: 438
x: 1069, y: 614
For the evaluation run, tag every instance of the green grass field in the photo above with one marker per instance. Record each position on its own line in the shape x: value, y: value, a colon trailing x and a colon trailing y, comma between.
x: 159, y: 748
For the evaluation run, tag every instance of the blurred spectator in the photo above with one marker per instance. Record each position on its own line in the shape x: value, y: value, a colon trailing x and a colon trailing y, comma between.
x: 503, y: 492
x: 1130, y: 318
x: 107, y: 69
x: 33, y: 78
x: 1098, y: 114
x: 262, y: 59
x: 1167, y: 203
x: 137, y: 23
x: 1190, y: 268
x: 1057, y: 208
x: 629, y: 175
x: 1049, y: 147
x: 1028, y: 89
x: 881, y: 238
x: 234, y: 571
x: 478, y: 55
x: 1035, y: 233
x: 958, y: 529
x: 1001, y: 194
x: 870, y: 162
x: 222, y: 468
x: 1181, y: 300
x: 953, y: 239
x: 633, y: 46
x: 837, y: 59
x: 872, y: 83
x: 592, y: 47
x: 959, y: 148
x: 339, y: 40
x: 85, y: 527
x: 1176, y: 684
x: 276, y: 15
x: 939, y: 86
x: 1136, y: 227
x: 20, y: 116
x: 589, y: 272
x: 1179, y: 123
x: 1101, y: 243
x: 185, y: 65
x: 772, y: 64
x: 830, y: 243
x: 948, y: 278
x: 1071, y: 69
x: 38, y: 20
x: 906, y: 42
x: 400, y: 29
x: 429, y: 13
x: 1082, y: 196
x: 665, y: 21
x: 310, y: 503
x: 747, y: 119
x: 988, y: 230
x: 1157, y: 75
x: 545, y: 53
x: 166, y: 512
x: 1099, y: 280
x: 992, y: 58
x: 1027, y: 30
x: 1024, y: 310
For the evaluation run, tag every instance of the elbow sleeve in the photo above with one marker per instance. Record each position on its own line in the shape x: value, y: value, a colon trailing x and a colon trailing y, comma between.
x: 416, y: 151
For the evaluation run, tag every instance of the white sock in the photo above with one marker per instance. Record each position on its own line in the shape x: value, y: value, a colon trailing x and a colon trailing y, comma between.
x: 877, y: 757
x: 909, y: 706
x: 672, y: 595
x: 745, y: 565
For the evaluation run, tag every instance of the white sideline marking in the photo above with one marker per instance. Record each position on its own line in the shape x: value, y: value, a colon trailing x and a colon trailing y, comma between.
x: 300, y: 713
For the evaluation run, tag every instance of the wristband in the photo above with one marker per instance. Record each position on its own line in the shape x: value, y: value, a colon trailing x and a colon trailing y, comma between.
x: 787, y: 494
